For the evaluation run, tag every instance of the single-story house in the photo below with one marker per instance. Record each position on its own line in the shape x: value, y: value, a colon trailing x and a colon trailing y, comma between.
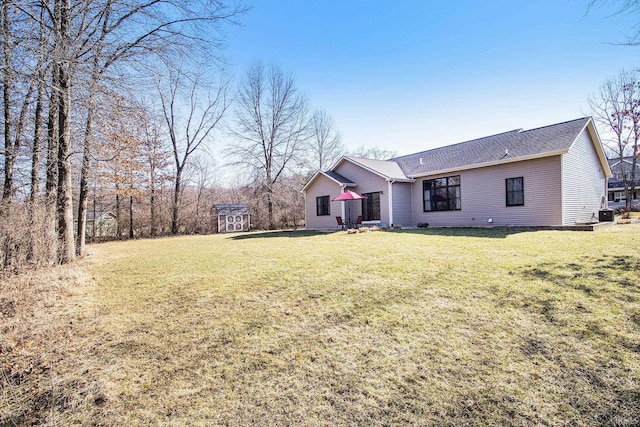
x: 622, y: 169
x: 549, y: 176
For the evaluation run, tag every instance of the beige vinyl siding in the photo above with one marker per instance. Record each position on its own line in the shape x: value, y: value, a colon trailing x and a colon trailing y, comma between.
x: 583, y: 181
x: 322, y: 186
x: 483, y: 196
x: 402, y: 208
x: 368, y: 182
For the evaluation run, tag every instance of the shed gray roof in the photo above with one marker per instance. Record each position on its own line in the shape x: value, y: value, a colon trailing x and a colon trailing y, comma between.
x: 230, y: 208
x: 506, y: 146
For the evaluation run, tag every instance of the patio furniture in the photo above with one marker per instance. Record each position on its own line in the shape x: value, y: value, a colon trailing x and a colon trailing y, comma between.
x: 340, y: 223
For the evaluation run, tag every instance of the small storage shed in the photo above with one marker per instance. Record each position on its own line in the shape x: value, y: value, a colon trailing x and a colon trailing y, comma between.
x: 232, y: 217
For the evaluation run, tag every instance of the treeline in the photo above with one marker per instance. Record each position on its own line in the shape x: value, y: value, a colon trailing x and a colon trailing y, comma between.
x: 72, y: 72
x: 124, y: 106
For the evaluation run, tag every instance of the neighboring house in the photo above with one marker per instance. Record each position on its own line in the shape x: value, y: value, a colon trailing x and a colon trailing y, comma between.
x: 550, y: 176
x: 616, y: 194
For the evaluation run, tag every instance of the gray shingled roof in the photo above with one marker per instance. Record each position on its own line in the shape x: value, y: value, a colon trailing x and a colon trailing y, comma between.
x: 388, y: 169
x: 505, y: 146
x: 615, y: 162
x: 341, y: 179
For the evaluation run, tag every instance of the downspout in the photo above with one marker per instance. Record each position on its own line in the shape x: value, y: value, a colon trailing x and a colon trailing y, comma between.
x: 390, y: 187
x: 562, y: 186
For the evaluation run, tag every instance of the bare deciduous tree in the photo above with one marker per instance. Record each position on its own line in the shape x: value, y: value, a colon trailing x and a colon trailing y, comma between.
x: 378, y: 153
x: 326, y: 145
x: 272, y: 125
x: 624, y: 7
x: 192, y: 109
x: 128, y: 30
x: 617, y: 109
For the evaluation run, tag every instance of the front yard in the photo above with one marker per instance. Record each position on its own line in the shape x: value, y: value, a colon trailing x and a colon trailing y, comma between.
x: 430, y: 327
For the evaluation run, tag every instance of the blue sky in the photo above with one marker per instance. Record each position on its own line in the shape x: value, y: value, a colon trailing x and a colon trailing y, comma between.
x: 413, y: 75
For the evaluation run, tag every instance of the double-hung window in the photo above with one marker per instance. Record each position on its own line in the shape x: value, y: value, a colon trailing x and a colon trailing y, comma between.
x: 442, y: 194
x: 322, y: 205
x: 371, y: 207
x: 515, y: 191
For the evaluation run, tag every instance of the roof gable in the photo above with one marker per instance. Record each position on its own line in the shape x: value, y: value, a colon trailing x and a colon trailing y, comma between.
x: 333, y: 176
x: 387, y: 169
x: 615, y: 163
x: 597, y: 143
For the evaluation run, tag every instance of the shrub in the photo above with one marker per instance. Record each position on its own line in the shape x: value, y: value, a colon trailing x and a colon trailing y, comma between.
x: 625, y: 213
x: 27, y: 239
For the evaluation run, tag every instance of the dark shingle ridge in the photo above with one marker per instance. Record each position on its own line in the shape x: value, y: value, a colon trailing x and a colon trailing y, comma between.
x: 341, y: 179
x: 585, y: 118
x: 505, y: 146
x: 616, y: 159
x: 431, y: 150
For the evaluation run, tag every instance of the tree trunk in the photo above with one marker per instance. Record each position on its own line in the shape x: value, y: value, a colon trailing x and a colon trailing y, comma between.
x: 175, y: 211
x: 93, y: 206
x: 62, y: 67
x: 37, y: 138
x: 84, y: 177
x: 131, y: 234
x: 625, y: 181
x: 51, y: 187
x: 9, y: 151
x: 269, y: 189
x: 118, y: 227
x: 37, y: 122
x: 270, y: 209
x: 35, y: 240
x: 154, y: 230
x: 634, y: 160
x: 196, y: 224
x: 66, y: 239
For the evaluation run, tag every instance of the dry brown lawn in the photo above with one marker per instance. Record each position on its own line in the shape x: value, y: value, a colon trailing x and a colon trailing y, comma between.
x: 431, y: 327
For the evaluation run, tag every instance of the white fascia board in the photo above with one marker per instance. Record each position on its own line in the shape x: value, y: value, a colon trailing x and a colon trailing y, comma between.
x: 313, y: 178
x: 597, y: 143
x: 337, y: 163
x: 392, y: 180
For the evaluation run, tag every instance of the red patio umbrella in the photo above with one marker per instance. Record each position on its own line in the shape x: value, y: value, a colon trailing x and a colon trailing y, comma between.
x: 349, y: 195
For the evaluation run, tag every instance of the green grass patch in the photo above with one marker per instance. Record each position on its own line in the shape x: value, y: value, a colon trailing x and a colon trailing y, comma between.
x: 430, y: 327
